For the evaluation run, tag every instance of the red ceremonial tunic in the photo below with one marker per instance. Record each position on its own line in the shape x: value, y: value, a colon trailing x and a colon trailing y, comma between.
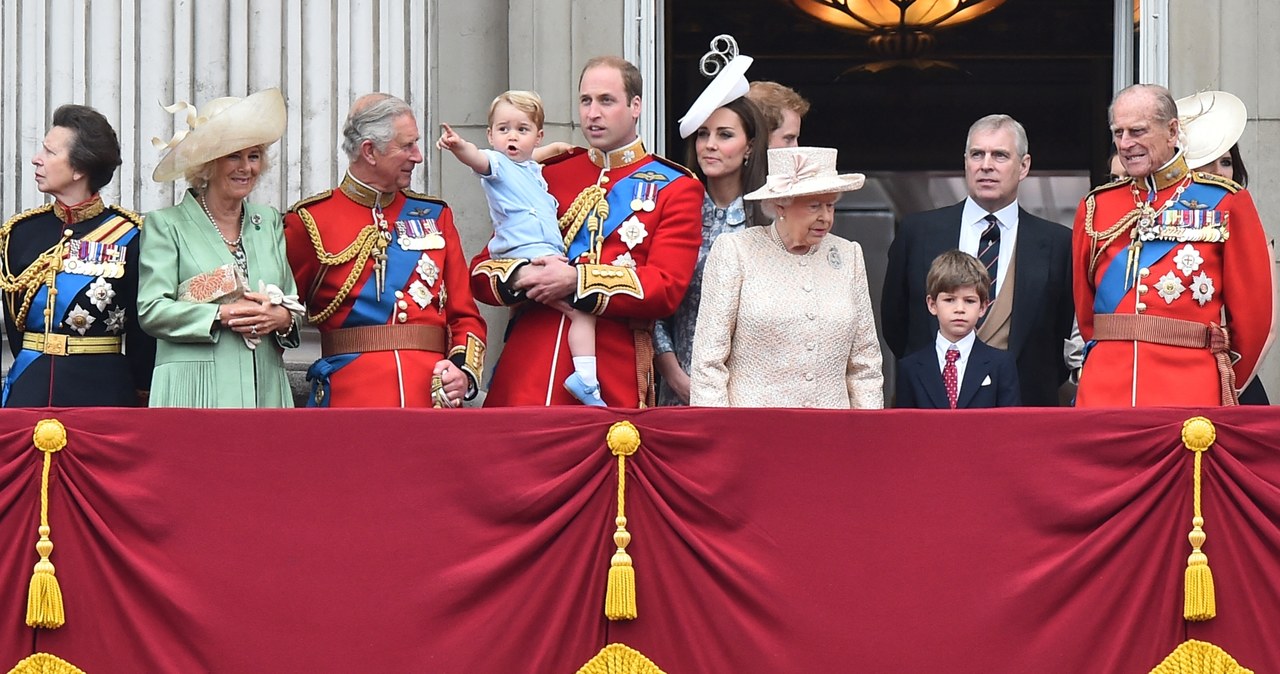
x: 643, y: 269
x: 435, y: 292
x: 1199, y: 278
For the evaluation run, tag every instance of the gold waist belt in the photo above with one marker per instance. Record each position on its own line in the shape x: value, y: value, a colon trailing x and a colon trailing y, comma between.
x: 383, y: 338
x: 69, y: 345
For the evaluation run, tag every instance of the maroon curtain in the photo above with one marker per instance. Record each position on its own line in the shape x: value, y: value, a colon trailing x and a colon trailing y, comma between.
x: 764, y: 541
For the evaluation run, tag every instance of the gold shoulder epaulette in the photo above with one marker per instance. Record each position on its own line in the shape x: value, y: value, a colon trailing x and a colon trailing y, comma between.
x: 307, y: 201
x: 131, y: 216
x: 423, y: 197
x: 1214, y: 179
x: 30, y: 212
x: 1111, y: 185
x: 674, y: 165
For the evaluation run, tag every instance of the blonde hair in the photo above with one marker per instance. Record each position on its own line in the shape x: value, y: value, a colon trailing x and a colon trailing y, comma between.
x: 198, y: 176
x: 528, y: 102
x: 956, y: 269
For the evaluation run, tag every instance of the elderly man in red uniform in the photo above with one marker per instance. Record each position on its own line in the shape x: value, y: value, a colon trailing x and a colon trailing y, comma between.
x: 384, y: 276
x: 632, y: 225
x: 1172, y: 272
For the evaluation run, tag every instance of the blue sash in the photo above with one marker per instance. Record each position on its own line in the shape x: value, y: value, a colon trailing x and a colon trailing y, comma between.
x: 69, y: 287
x: 369, y: 309
x: 619, y: 200
x: 1113, y: 286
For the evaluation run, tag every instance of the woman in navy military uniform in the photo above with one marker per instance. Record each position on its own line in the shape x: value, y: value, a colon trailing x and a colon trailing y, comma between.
x: 70, y: 278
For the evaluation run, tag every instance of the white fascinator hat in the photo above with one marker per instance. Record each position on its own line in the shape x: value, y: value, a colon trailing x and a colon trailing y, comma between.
x: 728, y: 70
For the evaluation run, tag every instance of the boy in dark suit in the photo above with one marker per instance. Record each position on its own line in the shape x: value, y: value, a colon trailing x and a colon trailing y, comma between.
x: 959, y: 371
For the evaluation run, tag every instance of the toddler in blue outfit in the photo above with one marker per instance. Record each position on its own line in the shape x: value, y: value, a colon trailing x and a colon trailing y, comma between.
x: 524, y: 213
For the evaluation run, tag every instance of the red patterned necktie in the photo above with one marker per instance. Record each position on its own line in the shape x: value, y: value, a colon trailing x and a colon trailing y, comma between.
x: 949, y: 376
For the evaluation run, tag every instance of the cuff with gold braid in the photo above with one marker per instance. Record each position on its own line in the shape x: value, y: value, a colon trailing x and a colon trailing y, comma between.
x: 599, y: 282
x: 499, y: 274
x: 470, y: 359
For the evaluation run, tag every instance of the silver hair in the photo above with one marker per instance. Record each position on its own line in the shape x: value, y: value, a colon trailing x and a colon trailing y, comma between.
x: 372, y: 118
x: 771, y: 207
x: 1166, y: 108
x: 995, y: 122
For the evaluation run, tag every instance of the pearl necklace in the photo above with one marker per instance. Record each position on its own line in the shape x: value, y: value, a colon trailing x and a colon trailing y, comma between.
x: 237, y: 250
x: 230, y: 244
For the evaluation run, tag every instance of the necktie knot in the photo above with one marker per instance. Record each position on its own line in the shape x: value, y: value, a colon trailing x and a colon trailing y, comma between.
x: 953, y: 355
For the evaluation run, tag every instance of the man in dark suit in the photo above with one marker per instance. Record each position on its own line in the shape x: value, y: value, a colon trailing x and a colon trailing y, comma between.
x: 1029, y: 259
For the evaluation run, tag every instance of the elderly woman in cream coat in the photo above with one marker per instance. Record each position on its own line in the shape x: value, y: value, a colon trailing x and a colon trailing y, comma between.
x: 786, y: 318
x: 216, y: 348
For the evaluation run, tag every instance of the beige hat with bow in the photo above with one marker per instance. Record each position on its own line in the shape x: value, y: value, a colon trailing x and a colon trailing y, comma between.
x: 797, y: 171
x: 223, y: 126
x: 1212, y: 121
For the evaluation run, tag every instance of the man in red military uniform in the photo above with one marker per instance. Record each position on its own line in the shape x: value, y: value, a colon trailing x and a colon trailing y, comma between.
x: 384, y: 276
x: 1164, y: 312
x: 632, y: 225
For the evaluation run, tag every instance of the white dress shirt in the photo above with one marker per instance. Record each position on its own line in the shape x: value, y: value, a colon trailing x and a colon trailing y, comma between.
x: 973, y: 223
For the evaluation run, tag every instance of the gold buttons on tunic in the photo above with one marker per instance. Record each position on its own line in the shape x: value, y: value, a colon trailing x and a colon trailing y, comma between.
x: 402, y: 317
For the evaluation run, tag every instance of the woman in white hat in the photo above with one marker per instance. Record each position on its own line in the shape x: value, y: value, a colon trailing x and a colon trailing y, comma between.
x: 216, y: 289
x: 727, y: 142
x: 786, y: 318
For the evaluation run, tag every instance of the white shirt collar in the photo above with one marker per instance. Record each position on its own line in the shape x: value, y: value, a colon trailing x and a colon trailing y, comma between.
x: 942, y: 344
x: 975, y: 214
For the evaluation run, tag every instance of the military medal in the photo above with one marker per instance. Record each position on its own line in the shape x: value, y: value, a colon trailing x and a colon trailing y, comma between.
x: 418, y: 235
x: 645, y: 198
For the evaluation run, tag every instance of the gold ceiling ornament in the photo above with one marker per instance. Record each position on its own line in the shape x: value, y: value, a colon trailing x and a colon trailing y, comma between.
x: 898, y: 29
x: 620, y: 594
x: 1199, y: 657
x: 619, y: 659
x: 44, y: 663
x: 1198, y: 434
x: 44, y: 595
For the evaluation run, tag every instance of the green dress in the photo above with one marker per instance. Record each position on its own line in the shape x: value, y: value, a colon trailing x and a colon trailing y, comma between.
x: 198, y: 362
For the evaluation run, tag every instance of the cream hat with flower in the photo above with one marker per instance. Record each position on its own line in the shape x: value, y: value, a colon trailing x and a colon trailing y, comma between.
x: 797, y: 171
x: 1212, y: 121
x: 223, y: 126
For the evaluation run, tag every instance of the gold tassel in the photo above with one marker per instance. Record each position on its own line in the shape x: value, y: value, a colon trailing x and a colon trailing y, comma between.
x: 44, y: 596
x: 1199, y: 604
x: 1200, y: 657
x: 619, y: 658
x: 44, y: 663
x: 620, y: 595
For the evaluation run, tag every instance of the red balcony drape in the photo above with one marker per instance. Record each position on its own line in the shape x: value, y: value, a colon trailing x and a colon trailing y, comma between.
x: 764, y: 541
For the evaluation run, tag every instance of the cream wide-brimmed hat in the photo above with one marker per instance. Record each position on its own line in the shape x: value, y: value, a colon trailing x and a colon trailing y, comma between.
x: 1212, y: 121
x: 222, y: 126
x: 797, y: 171
x: 729, y: 84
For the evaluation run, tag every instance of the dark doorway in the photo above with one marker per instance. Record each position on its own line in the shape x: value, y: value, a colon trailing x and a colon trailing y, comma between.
x: 1048, y: 63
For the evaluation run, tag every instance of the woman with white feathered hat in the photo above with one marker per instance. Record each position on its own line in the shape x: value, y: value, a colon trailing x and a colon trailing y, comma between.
x: 216, y: 289
x: 786, y: 318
